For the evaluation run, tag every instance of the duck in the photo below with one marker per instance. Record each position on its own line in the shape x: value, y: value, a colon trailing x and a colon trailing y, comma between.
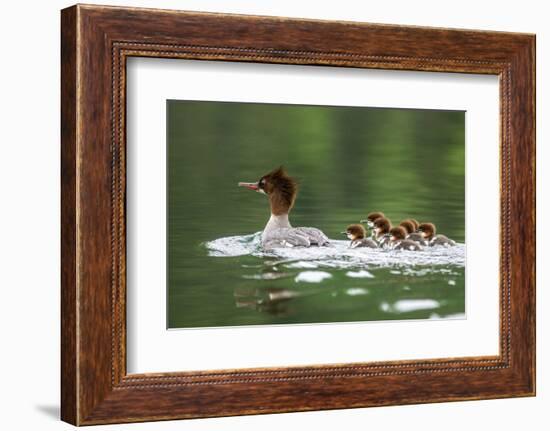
x: 399, y: 241
x: 428, y: 230
x: 356, y: 233
x: 412, y: 235
x: 415, y: 223
x: 281, y: 190
x: 371, y: 217
x: 381, y: 230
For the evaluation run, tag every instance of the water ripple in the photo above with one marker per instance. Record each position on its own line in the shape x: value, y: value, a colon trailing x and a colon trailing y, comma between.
x: 339, y: 256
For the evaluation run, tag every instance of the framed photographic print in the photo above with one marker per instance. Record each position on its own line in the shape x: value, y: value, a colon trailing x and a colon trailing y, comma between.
x: 265, y: 215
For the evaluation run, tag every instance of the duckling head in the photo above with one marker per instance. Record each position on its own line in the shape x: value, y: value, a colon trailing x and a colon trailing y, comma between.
x: 398, y: 233
x: 381, y: 226
x: 427, y: 230
x: 408, y: 225
x: 371, y: 217
x: 355, y: 231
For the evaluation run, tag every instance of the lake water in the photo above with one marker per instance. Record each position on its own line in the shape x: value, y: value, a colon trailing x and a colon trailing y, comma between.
x: 348, y: 161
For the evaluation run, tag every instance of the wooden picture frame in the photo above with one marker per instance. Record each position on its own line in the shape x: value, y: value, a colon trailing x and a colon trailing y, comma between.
x: 95, y: 43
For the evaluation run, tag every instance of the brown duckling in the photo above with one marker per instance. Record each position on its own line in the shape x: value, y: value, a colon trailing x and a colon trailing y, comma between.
x: 428, y: 231
x: 371, y: 217
x: 399, y: 242
x: 381, y: 230
x: 410, y: 227
x: 356, y: 233
x: 415, y: 223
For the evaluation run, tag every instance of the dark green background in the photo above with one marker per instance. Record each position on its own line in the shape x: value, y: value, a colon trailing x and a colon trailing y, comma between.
x: 348, y: 161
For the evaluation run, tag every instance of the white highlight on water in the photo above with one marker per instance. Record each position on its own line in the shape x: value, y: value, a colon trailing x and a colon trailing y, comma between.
x: 359, y: 274
x: 454, y: 316
x: 355, y: 291
x: 312, y: 276
x: 407, y: 305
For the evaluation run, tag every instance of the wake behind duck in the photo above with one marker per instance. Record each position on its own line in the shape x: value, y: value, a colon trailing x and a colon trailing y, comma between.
x: 339, y: 255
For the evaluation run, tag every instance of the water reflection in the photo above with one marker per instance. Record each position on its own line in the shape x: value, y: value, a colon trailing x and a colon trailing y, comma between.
x: 336, y: 279
x: 271, y: 300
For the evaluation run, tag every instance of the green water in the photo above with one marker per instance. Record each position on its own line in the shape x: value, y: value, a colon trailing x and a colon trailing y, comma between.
x: 348, y: 161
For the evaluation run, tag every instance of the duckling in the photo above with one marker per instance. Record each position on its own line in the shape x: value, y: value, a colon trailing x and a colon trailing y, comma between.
x: 411, y: 232
x: 399, y: 241
x: 408, y: 225
x: 415, y: 223
x: 371, y: 217
x: 428, y: 231
x: 381, y: 230
x: 356, y: 233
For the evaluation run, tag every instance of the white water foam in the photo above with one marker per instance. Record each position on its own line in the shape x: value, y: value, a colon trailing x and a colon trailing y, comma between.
x: 339, y: 255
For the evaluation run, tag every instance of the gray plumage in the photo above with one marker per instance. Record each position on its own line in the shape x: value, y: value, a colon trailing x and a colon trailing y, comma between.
x: 384, y: 240
x: 407, y: 244
x: 293, y: 237
x: 363, y: 242
x: 281, y: 191
x: 417, y: 237
x: 442, y: 240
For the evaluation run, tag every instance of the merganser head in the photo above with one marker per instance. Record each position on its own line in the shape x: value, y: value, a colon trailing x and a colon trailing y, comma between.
x: 416, y: 224
x: 427, y: 230
x: 381, y: 226
x: 279, y: 187
x: 371, y: 217
x: 398, y: 233
x: 408, y: 225
x: 355, y: 231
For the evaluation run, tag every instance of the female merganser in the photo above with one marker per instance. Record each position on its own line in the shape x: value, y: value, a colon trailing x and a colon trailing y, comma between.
x: 281, y: 191
x: 356, y: 233
x: 371, y: 217
x: 409, y: 226
x: 399, y: 241
x: 381, y: 228
x: 428, y: 231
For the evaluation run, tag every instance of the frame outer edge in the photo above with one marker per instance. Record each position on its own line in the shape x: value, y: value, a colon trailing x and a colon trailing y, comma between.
x: 69, y: 303
x: 88, y: 396
x: 533, y: 54
x: 523, y: 216
x: 532, y: 80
